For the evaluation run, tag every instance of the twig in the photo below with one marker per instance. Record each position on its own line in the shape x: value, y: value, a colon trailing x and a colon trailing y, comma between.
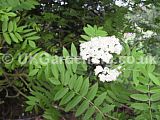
x: 19, y: 91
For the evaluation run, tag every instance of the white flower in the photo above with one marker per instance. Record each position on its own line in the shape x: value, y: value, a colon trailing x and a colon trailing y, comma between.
x: 118, y: 49
x: 84, y: 55
x: 98, y: 69
x: 106, y: 58
x: 95, y: 60
x: 106, y: 74
x: 121, y: 3
x: 102, y: 77
x: 100, y: 48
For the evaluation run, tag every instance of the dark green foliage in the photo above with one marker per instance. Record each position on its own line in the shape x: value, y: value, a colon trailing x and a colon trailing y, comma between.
x: 18, y: 4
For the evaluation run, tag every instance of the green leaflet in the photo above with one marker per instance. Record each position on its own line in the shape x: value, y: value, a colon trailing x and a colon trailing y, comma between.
x: 34, y: 52
x: 29, y: 108
x: 81, y: 109
x: 14, y: 26
x: 98, y: 101
x: 85, y: 37
x: 67, y: 77
x: 135, y: 79
x: 62, y: 78
x: 33, y: 72
x: 89, y: 30
x: 73, y: 50
x: 18, y: 36
x: 33, y: 38
x: 109, y: 100
x: 10, y: 26
x: 71, y: 82
x: 154, y: 79
x: 140, y: 97
x: 17, y: 19
x: 107, y: 108
x: 65, y: 52
x: 94, y: 31
x: 32, y: 44
x: 150, y: 68
x: 92, y: 92
x: 61, y: 67
x: 29, y: 34
x: 67, y: 97
x: 140, y: 106
x: 54, y: 70
x: 7, y: 38
x: 112, y: 95
x: 143, y: 80
x: 11, y: 14
x: 24, y: 31
x: 73, y: 103
x: 74, y: 65
x: 32, y: 100
x: 89, y: 113
x: 75, y: 59
x: 55, y: 81
x: 142, y: 88
x: 99, y: 117
x: 155, y: 97
x: 78, y: 84
x: 85, y: 87
x: 155, y: 90
x: 84, y: 65
x: 60, y: 93
x: 14, y: 38
x: 24, y: 44
x: 47, y: 72
x: 4, y: 26
x: 68, y: 64
x: 51, y: 114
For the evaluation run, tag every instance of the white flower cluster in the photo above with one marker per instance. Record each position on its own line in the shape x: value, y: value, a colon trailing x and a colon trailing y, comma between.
x: 121, y: 3
x: 130, y: 3
x: 145, y: 35
x: 126, y: 3
x: 102, y: 49
x: 148, y: 34
x: 106, y: 74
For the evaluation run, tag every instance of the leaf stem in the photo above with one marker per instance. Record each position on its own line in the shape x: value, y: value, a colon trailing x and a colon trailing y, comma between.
x: 149, y: 102
x: 113, y: 118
